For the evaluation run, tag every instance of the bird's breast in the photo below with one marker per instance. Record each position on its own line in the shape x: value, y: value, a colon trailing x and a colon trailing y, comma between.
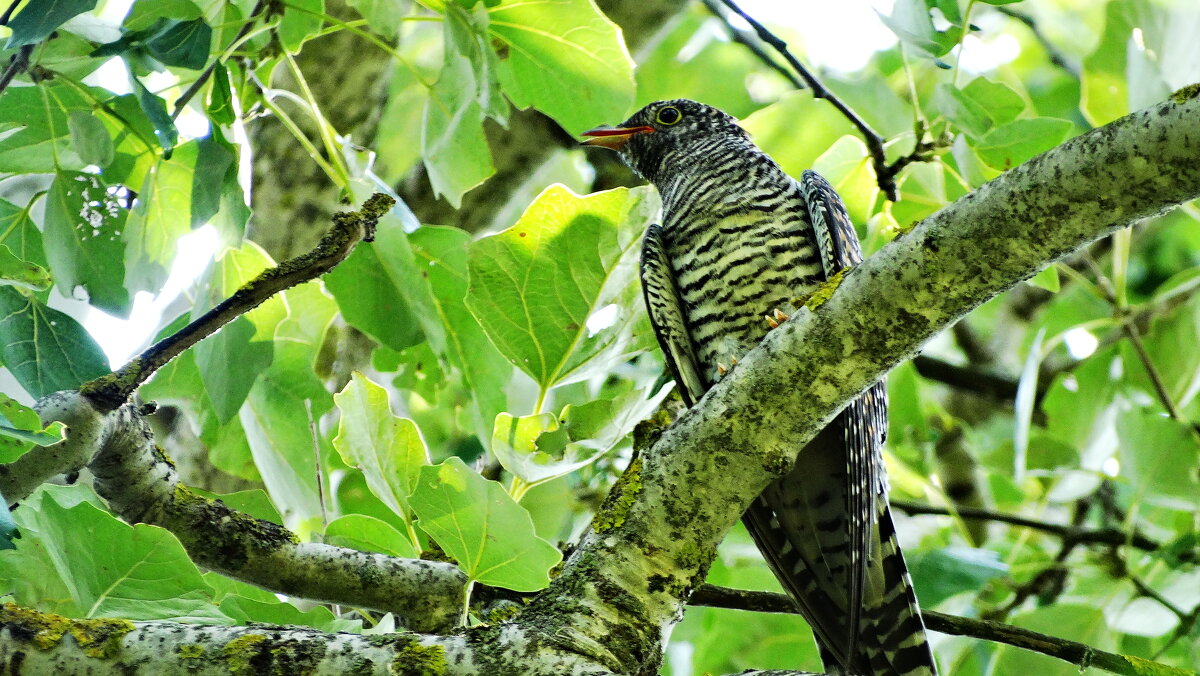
x: 736, y: 265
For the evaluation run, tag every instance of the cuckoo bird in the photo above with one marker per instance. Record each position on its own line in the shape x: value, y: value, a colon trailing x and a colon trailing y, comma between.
x: 740, y: 242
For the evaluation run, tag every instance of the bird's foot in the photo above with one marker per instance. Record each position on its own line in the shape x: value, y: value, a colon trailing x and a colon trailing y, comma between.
x: 776, y: 318
x: 722, y: 369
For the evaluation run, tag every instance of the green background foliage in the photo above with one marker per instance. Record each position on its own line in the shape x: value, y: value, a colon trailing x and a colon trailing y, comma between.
x: 522, y: 350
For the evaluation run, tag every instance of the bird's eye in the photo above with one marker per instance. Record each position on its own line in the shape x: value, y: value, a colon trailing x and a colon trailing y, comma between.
x: 669, y: 115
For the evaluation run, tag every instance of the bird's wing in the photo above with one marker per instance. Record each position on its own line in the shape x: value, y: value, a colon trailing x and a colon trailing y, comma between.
x: 666, y: 316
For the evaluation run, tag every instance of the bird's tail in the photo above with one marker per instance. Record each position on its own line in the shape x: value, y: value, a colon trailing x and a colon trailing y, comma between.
x: 891, y: 638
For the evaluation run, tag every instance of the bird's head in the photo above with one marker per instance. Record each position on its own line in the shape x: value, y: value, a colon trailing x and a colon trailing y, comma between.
x: 658, y: 132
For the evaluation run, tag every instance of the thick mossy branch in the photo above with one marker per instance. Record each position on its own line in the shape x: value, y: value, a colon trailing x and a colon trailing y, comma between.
x: 349, y: 228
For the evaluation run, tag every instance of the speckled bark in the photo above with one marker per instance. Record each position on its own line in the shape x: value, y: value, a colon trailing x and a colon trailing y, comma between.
x: 614, y: 604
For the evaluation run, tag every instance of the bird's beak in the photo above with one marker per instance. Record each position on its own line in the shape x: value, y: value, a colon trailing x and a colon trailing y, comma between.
x: 613, y: 137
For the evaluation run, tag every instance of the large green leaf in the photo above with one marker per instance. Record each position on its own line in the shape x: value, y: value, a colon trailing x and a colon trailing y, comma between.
x: 38, y: 19
x: 41, y: 136
x: 301, y: 21
x: 565, y: 58
x: 1159, y: 456
x: 979, y: 106
x: 535, y: 285
x: 105, y: 567
x: 429, y: 268
x: 45, y: 350
x: 232, y: 360
x: 160, y: 217
x: 453, y: 147
x: 478, y: 523
x: 370, y: 301
x: 387, y: 448
x: 83, y: 226
x: 276, y: 418
x: 91, y: 138
x: 942, y: 573
x: 368, y: 534
x: 1011, y: 144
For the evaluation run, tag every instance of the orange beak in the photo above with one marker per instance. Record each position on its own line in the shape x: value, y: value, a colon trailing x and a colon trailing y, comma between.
x: 613, y: 138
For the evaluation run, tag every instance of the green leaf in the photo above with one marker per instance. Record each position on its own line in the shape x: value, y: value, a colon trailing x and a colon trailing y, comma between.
x: 368, y: 534
x: 538, y: 448
x: 41, y: 138
x: 301, y: 21
x: 156, y: 111
x: 279, y: 612
x: 20, y: 234
x: 92, y: 141
x: 38, y: 19
x: 979, y: 106
x: 232, y: 360
x: 942, y: 573
x: 565, y: 58
x: 478, y: 523
x: 453, y: 147
x: 17, y: 272
x: 145, y: 13
x: 847, y: 166
x: 429, y: 268
x: 140, y: 571
x: 912, y: 22
x: 383, y: 16
x: 387, y: 448
x: 1159, y: 456
x: 45, y: 350
x: 1046, y: 279
x: 370, y: 301
x: 275, y: 417
x: 181, y: 43
x: 535, y: 285
x: 159, y: 219
x: 21, y: 429
x: 220, y: 98
x: 83, y: 225
x: 1076, y: 622
x: 1011, y: 144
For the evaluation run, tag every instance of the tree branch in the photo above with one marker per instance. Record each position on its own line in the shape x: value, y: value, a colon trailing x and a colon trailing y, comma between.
x: 349, y: 228
x: 1069, y: 651
x: 1076, y: 534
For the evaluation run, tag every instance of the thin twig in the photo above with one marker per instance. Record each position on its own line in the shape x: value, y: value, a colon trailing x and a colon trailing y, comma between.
x: 1068, y: 651
x: 743, y: 38
x: 111, y: 391
x: 1076, y: 534
x: 885, y: 173
x: 1131, y: 331
x: 1057, y: 57
x: 195, y: 87
x: 17, y: 64
x: 9, y: 12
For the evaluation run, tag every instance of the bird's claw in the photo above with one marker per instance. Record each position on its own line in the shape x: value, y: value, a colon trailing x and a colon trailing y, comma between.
x: 776, y: 318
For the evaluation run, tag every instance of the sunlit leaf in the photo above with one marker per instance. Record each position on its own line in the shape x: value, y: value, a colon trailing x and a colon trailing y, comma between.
x: 38, y: 19
x: 387, y: 448
x: 45, y: 349
x: 476, y: 522
x: 368, y: 534
x: 535, y: 285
